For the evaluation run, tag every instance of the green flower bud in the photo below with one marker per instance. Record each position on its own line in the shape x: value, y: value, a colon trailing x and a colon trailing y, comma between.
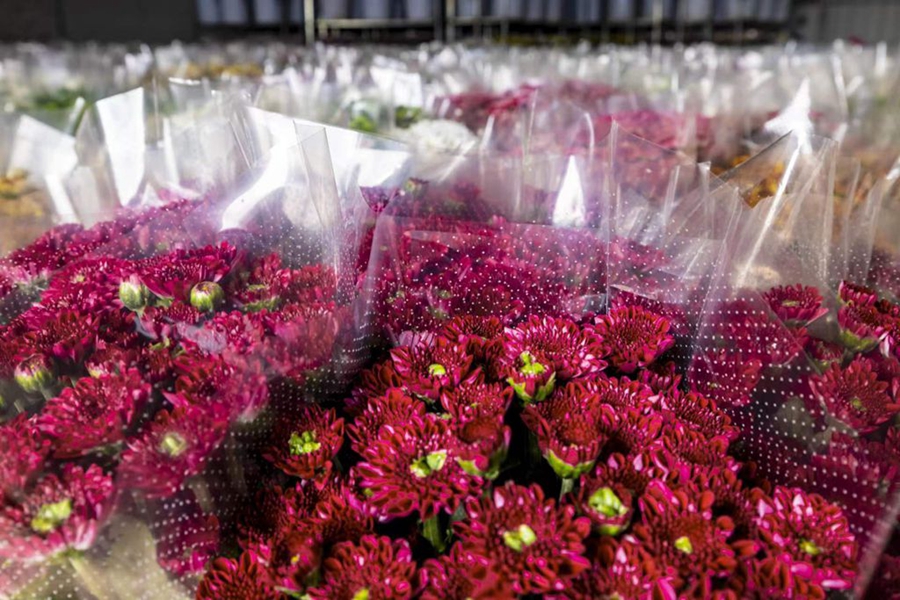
x: 303, y: 443
x: 134, y: 294
x: 519, y: 538
x: 34, y: 374
x: 207, y: 296
x: 428, y: 464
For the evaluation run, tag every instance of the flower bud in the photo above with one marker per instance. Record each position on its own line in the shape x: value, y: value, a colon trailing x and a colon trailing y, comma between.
x: 34, y: 374
x: 134, y: 294
x: 207, y: 296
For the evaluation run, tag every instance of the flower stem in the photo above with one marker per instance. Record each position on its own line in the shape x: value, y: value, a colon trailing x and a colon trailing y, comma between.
x: 431, y: 529
x: 88, y: 576
x: 565, y: 487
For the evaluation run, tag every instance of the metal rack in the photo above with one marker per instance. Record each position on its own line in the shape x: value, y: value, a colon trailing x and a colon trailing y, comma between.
x: 659, y: 21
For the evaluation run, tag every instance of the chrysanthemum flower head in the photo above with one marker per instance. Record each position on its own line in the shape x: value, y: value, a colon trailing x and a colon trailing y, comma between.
x: 483, y: 444
x: 862, y: 327
x: 413, y: 468
x: 857, y: 295
x: 813, y: 533
x: 726, y: 377
x: 93, y: 414
x: 528, y: 540
x: 476, y: 397
x: 56, y: 514
x: 633, y: 337
x: 174, y: 447
x: 699, y: 413
x: 855, y: 395
x: 795, y: 304
x: 376, y: 567
x: 459, y: 575
x: 24, y: 453
x: 426, y: 369
x: 393, y: 408
x: 305, y: 444
x: 237, y: 579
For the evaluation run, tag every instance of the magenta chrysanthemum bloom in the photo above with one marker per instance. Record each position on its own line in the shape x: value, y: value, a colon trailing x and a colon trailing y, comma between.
x: 394, y: 408
x: 465, y: 328
x: 24, y: 452
x: 530, y: 542
x: 475, y: 397
x: 66, y: 335
x: 696, y: 448
x: 856, y: 294
x: 232, y: 387
x: 756, y: 336
x: 608, y: 504
x: 795, y: 304
x: 95, y: 413
x: 459, y: 575
x: 173, y: 275
x: 619, y: 393
x: 376, y: 567
x: 726, y: 377
x: 688, y: 542
x: 698, y: 413
x: 174, y: 447
x: 305, y: 444
x: 241, y: 579
x: 56, y: 514
x: 632, y: 337
x: 773, y: 578
x: 823, y: 354
x: 813, y: 533
x: 545, y: 350
x: 425, y: 369
x: 855, y: 395
x: 661, y: 378
x: 619, y: 570
x: 862, y: 327
x: 413, y: 467
x: 483, y: 444
x: 374, y: 382
x: 188, y: 540
x: 571, y: 430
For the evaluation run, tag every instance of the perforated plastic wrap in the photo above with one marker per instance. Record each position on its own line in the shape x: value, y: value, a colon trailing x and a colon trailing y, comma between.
x: 148, y: 361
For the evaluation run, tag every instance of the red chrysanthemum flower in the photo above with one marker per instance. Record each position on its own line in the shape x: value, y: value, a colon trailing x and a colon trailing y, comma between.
x: 376, y: 567
x: 304, y: 444
x: 857, y: 295
x: 530, y: 542
x: 661, y: 377
x: 373, y: 382
x: 698, y: 413
x: 93, y: 414
x: 695, y: 448
x: 24, y: 452
x: 459, y: 575
x: 687, y: 541
x: 232, y: 387
x: 813, y: 533
x: 241, y: 579
x: 545, y: 350
x: 862, y: 327
x: 475, y: 397
x: 773, y: 578
x: 413, y: 467
x: 571, y: 430
x: 394, y: 408
x: 756, y: 336
x: 426, y: 369
x: 174, y: 447
x: 855, y: 395
x: 795, y: 305
x: 823, y: 354
x: 726, y: 377
x: 465, y: 328
x: 619, y: 393
x: 619, y: 570
x: 173, y: 275
x: 483, y: 443
x: 66, y: 335
x: 279, y: 510
x: 633, y: 337
x: 56, y: 514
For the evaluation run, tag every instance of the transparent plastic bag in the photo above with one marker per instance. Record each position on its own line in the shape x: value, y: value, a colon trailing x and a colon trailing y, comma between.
x: 176, y: 343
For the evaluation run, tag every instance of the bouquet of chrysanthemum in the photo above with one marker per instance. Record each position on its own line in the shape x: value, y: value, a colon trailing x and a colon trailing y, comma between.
x: 145, y: 360
x: 529, y: 361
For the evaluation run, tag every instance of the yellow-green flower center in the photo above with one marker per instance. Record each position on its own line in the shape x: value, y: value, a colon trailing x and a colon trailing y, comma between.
x: 430, y: 463
x: 50, y: 516
x: 684, y: 544
x: 173, y: 444
x: 520, y: 538
x: 362, y: 594
x: 529, y: 365
x: 605, y: 502
x: 437, y: 370
x: 810, y: 547
x: 303, y: 443
x: 790, y: 303
x: 857, y: 404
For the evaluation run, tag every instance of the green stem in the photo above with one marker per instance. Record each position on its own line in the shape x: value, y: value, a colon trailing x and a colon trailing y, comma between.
x: 88, y: 576
x: 431, y: 529
x: 534, y: 451
x: 565, y: 488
